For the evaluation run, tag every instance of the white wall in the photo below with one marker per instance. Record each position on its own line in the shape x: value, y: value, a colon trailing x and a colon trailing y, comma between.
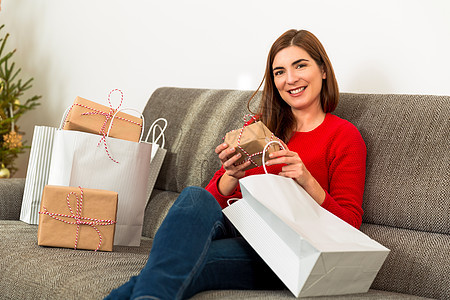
x: 88, y: 47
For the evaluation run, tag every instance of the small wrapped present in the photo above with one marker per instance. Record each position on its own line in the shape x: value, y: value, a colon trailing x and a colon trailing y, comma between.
x: 74, y: 217
x: 250, y: 141
x: 88, y: 116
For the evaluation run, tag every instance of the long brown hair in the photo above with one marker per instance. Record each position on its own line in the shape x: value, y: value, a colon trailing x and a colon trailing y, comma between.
x: 273, y: 110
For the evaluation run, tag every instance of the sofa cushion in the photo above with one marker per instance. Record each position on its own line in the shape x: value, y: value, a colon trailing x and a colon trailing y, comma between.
x: 33, y: 272
x: 418, y: 263
x: 272, y: 295
x: 11, y: 191
x: 408, y: 158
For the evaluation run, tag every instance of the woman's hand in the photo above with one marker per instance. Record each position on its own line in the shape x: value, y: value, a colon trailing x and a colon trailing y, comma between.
x: 229, y: 181
x: 295, y: 169
x: 293, y: 165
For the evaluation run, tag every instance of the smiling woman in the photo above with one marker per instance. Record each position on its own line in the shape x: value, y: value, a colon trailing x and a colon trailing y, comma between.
x: 196, y: 248
x: 298, y: 50
x: 298, y: 79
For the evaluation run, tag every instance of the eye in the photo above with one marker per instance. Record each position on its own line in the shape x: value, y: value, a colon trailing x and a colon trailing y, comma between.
x: 278, y: 73
x: 299, y: 66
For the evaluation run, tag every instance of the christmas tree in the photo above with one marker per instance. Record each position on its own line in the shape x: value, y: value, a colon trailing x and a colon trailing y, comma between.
x: 11, y: 109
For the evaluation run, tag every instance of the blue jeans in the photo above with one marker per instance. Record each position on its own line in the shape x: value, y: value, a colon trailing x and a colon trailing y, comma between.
x: 197, y: 249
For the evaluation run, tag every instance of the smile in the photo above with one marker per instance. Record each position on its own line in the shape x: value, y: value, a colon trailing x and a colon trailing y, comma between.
x: 296, y: 91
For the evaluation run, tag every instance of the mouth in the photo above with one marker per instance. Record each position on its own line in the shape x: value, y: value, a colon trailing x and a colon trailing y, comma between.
x: 297, y: 91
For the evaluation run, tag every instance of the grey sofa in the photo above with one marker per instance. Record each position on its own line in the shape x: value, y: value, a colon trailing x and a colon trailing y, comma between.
x: 406, y: 200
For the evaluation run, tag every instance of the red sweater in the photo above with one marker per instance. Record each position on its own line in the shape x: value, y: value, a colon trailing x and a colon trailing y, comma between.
x: 335, y: 154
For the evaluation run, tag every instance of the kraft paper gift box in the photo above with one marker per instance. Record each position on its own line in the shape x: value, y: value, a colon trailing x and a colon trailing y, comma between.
x: 250, y: 141
x: 89, y: 116
x: 79, y: 218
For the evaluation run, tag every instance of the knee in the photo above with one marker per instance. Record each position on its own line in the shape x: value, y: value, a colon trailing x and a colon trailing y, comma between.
x: 195, y: 198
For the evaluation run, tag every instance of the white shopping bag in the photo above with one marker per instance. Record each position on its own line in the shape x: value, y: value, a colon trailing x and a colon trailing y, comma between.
x: 123, y: 167
x: 158, y: 153
x: 311, y: 250
x: 37, y: 173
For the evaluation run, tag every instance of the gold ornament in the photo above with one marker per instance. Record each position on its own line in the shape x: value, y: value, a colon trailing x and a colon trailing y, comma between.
x: 12, y: 140
x: 16, y: 103
x: 4, y: 172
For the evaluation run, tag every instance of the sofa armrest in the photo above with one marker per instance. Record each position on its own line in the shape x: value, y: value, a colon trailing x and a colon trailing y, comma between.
x: 11, y: 193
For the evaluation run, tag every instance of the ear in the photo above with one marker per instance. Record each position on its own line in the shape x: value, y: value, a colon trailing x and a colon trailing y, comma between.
x: 324, y: 74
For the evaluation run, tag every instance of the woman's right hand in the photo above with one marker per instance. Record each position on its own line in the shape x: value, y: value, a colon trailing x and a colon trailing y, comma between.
x: 228, y: 157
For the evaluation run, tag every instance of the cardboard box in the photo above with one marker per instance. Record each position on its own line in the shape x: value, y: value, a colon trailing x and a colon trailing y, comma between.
x: 250, y: 141
x: 73, y: 217
x: 89, y: 116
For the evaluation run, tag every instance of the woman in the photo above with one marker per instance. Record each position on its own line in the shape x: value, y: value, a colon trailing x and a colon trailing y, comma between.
x: 196, y: 248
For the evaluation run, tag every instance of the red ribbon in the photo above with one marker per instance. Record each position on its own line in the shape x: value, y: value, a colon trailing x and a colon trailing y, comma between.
x: 78, y: 219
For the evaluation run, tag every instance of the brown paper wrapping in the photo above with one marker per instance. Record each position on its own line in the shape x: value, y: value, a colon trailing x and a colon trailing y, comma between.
x: 96, y: 204
x: 93, y: 123
x: 253, y: 140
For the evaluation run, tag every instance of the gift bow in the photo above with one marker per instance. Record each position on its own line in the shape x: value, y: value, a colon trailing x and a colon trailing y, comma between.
x: 249, y: 156
x: 111, y: 115
x: 78, y: 219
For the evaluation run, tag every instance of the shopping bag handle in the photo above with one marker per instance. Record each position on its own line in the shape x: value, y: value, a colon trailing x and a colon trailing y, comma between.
x: 64, y: 117
x: 232, y: 199
x: 132, y: 109
x: 160, y: 136
x: 152, y: 129
x: 264, y: 152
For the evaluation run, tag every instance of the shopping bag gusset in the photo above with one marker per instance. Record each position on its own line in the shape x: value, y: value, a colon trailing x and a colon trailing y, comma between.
x: 37, y: 173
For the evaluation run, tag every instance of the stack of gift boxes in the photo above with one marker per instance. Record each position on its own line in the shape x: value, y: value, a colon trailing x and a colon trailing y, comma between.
x: 77, y: 217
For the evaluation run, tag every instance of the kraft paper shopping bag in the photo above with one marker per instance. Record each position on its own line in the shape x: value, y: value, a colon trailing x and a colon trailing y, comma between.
x: 37, y: 173
x: 311, y: 250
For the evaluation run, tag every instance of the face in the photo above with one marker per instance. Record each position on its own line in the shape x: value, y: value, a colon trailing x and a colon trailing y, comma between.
x: 298, y: 78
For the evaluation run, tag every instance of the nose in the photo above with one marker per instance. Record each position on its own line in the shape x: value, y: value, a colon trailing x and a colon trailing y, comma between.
x: 292, y: 77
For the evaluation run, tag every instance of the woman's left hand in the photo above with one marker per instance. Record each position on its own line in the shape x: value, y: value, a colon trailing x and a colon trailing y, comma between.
x: 293, y: 165
x: 295, y: 169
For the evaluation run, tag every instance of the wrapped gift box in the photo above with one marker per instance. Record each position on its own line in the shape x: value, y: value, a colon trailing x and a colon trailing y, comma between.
x: 89, y: 116
x: 250, y: 141
x: 74, y: 217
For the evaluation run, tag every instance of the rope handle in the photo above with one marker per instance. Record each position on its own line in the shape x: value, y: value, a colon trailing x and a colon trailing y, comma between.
x: 64, y: 117
x: 232, y: 199
x: 264, y: 152
x: 130, y: 109
x: 152, y: 130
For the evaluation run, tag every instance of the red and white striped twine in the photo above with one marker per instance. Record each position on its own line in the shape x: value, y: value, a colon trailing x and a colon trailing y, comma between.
x: 249, y: 156
x: 108, y: 116
x: 79, y: 220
